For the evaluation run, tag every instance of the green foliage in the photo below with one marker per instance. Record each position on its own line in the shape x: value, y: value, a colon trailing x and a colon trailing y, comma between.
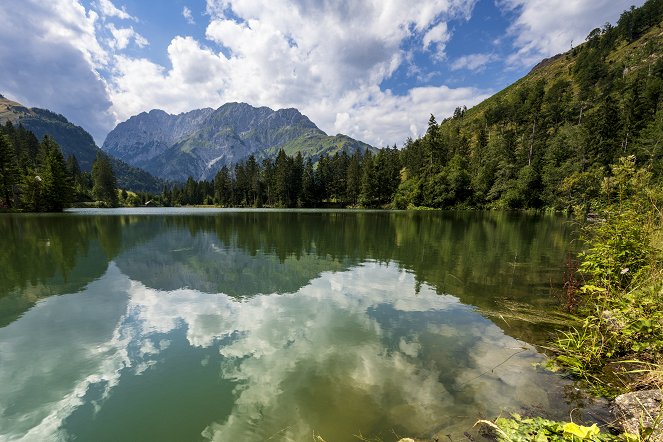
x: 56, y: 185
x: 551, y: 138
x: 339, y: 180
x: 618, y: 251
x: 33, y: 175
x: 536, y: 429
x: 104, y: 184
x: 623, y: 293
x: 8, y: 172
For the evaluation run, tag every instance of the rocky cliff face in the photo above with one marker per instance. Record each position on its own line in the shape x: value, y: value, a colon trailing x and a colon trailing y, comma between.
x: 149, y: 134
x: 200, y: 142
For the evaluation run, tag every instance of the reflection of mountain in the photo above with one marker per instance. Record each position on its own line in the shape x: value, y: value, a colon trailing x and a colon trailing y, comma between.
x: 175, y: 259
x: 478, y: 257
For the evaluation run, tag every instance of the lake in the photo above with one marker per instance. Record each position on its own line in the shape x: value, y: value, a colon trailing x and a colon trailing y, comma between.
x: 252, y: 325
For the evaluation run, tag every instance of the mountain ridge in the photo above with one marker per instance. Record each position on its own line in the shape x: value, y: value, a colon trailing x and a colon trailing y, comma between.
x: 199, y: 142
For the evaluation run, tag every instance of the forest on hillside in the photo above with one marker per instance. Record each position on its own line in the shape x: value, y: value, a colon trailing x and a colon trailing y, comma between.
x: 35, y: 177
x: 547, y: 141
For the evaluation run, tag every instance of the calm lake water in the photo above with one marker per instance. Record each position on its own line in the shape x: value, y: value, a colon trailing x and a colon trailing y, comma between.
x: 185, y: 325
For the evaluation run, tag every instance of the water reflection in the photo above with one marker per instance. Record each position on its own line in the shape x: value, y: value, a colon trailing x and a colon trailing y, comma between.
x: 246, y: 326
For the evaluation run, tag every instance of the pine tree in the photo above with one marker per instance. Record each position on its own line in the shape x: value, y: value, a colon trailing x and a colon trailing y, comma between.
x: 56, y: 182
x: 8, y: 172
x: 353, y: 179
x: 308, y: 196
x: 104, y: 184
x: 282, y: 172
x: 223, y: 187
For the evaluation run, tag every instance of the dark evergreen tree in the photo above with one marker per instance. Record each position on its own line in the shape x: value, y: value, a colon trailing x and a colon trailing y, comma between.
x: 353, y: 179
x: 9, y: 173
x: 104, y: 183
x: 55, y: 180
x: 223, y: 187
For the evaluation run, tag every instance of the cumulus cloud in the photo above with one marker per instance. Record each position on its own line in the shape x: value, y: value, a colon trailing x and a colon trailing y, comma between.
x: 108, y: 9
x: 51, y: 53
x: 194, y: 81
x: 123, y: 36
x: 473, y: 62
x: 326, y: 59
x: 188, y: 16
x: 386, y: 118
x: 438, y: 35
x: 543, y: 28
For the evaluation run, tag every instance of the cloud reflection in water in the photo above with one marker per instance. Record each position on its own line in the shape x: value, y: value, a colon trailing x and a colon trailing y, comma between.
x: 357, y: 351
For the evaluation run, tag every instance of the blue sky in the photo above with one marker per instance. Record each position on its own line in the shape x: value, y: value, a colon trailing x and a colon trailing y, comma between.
x: 373, y: 69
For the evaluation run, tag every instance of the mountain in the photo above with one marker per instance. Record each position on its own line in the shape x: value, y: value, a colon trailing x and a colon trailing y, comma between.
x: 551, y: 138
x: 74, y: 140
x: 198, y: 143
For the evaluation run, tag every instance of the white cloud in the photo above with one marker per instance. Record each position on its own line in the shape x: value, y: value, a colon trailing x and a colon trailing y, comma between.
x: 326, y: 59
x: 108, y: 9
x: 123, y: 36
x: 473, y: 62
x: 196, y: 77
x: 188, y: 16
x: 544, y: 28
x: 438, y: 35
x: 385, y: 118
x: 53, y: 53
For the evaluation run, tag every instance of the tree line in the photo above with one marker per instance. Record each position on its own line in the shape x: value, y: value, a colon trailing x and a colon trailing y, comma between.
x: 342, y: 180
x: 35, y: 177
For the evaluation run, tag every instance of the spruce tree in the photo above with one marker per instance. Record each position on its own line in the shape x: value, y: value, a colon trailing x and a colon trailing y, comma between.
x: 56, y: 182
x: 8, y: 172
x: 104, y: 184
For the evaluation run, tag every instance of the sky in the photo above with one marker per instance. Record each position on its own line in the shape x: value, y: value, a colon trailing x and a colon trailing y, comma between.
x: 372, y: 69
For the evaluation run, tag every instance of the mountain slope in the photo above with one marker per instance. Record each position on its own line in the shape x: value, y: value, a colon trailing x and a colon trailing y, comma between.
x: 198, y: 143
x: 550, y: 138
x: 74, y: 140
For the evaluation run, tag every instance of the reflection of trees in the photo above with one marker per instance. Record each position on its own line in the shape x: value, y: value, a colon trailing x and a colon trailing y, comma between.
x: 465, y: 254
x: 45, y: 255
x: 477, y: 256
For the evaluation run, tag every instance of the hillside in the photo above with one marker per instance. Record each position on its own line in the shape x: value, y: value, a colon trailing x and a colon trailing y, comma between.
x: 549, y: 139
x: 74, y: 140
x: 200, y: 142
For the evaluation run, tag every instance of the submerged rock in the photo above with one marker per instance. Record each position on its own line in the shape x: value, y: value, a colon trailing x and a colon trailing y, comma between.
x: 640, y: 413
